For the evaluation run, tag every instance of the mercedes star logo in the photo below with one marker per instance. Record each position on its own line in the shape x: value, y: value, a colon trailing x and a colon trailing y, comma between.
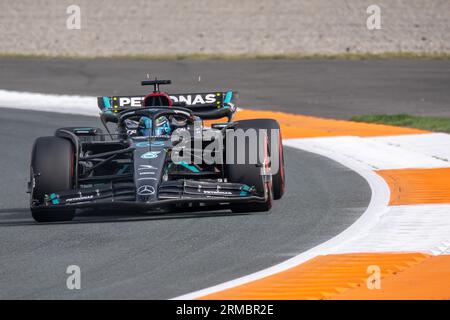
x: 146, y: 190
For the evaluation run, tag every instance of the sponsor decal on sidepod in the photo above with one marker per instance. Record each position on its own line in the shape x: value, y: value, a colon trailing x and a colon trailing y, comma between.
x: 150, y: 155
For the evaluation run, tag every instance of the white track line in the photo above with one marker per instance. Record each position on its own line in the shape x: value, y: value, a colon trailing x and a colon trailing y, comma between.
x: 435, y: 145
x: 379, y: 229
x: 415, y: 228
x: 81, y: 105
x: 405, y: 228
x: 377, y: 207
x: 408, y: 228
x: 378, y: 153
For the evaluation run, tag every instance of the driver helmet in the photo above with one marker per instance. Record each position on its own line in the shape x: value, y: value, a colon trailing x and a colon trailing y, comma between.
x: 162, y: 126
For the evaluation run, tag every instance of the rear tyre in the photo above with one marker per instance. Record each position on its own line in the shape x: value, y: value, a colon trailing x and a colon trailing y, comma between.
x: 250, y: 174
x: 278, y: 174
x: 51, y: 171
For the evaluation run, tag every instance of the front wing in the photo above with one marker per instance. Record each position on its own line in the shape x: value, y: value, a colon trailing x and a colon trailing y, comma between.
x: 123, y: 195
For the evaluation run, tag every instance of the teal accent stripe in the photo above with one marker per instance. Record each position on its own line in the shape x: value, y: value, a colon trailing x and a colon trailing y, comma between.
x: 228, y: 97
x: 189, y: 167
x: 124, y: 168
x: 106, y: 102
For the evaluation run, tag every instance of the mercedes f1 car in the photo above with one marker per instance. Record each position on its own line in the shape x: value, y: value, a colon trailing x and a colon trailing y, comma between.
x: 132, y: 165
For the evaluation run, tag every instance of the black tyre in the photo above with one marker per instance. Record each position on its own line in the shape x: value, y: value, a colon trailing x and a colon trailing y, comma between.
x: 248, y: 173
x: 51, y: 170
x: 278, y: 176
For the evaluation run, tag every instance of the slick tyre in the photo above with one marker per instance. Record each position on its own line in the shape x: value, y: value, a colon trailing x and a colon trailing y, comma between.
x: 276, y: 152
x: 249, y: 172
x: 51, y: 171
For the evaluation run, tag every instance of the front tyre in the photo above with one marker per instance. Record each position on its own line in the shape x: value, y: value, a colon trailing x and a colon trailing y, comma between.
x: 52, y: 162
x: 251, y: 174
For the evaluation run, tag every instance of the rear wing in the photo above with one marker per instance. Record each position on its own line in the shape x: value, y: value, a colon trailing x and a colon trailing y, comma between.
x: 210, y: 105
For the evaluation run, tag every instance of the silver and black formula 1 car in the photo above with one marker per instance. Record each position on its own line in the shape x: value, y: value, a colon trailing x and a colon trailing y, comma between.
x: 158, y: 156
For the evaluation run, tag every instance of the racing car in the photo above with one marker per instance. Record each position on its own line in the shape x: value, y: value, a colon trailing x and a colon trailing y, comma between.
x: 131, y: 166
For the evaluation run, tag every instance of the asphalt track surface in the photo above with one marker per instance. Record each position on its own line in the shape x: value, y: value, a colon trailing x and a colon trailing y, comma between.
x: 327, y: 88
x: 143, y: 256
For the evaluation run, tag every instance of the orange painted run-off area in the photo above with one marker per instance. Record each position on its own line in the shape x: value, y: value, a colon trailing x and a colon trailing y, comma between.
x: 323, y: 277
x: 429, y: 279
x: 345, y: 276
x: 418, y: 186
x: 298, y: 126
